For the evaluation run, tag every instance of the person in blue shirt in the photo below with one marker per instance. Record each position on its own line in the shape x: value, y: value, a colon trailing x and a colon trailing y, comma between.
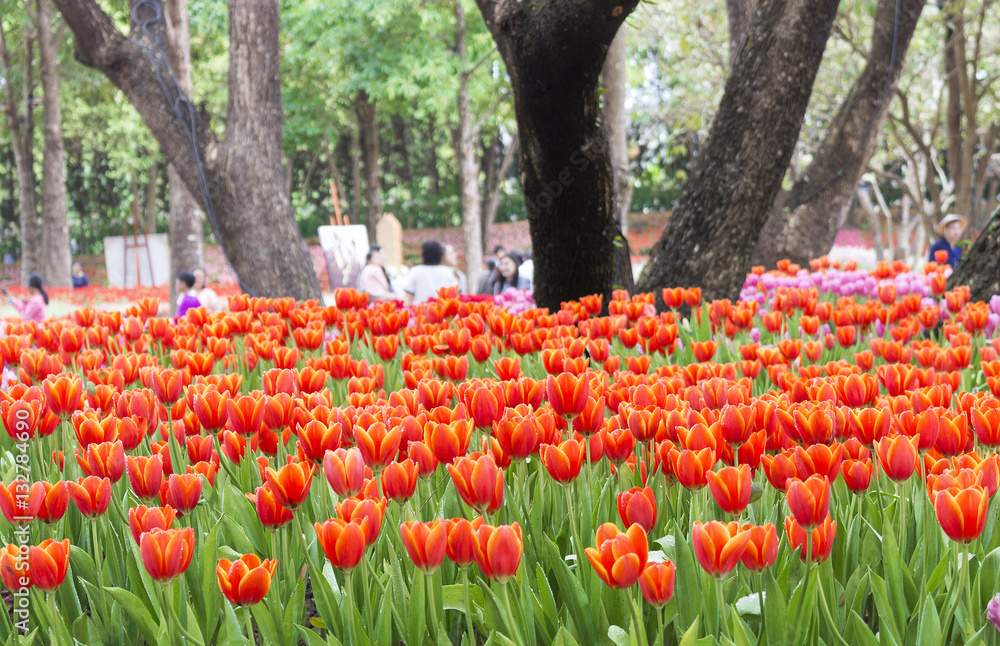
x: 187, y: 296
x: 79, y: 278
x: 951, y: 227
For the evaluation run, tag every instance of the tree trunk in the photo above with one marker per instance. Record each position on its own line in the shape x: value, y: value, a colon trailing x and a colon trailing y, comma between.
x: 740, y: 13
x: 953, y: 114
x: 614, y: 78
x: 151, y: 208
x: 980, y: 267
x: 399, y: 134
x: 356, y: 184
x: 468, y: 162
x: 826, y: 190
x: 242, y: 173
x: 554, y: 51
x: 432, y: 160
x: 708, y: 240
x: 368, y: 128
x: 492, y: 202
x: 56, y: 256
x: 22, y: 144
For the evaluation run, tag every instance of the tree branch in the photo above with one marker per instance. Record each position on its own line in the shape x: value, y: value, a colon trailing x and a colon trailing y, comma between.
x: 489, y: 111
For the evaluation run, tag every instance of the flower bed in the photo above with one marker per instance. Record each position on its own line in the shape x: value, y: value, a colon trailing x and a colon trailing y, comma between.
x: 298, y: 473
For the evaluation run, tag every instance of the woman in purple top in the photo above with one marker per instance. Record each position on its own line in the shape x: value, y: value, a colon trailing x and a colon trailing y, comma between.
x: 32, y: 309
x: 187, y: 296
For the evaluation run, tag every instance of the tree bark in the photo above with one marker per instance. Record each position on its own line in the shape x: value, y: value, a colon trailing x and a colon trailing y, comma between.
x: 368, y: 130
x: 357, y: 187
x: 56, y: 256
x: 554, y: 51
x: 468, y: 162
x: 184, y: 229
x: 708, y: 240
x: 740, y: 13
x: 826, y: 190
x: 150, y: 210
x: 22, y: 144
x: 614, y: 78
x: 242, y: 172
x: 980, y: 267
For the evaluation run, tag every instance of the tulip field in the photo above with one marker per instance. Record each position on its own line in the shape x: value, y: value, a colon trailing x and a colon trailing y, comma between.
x: 815, y: 463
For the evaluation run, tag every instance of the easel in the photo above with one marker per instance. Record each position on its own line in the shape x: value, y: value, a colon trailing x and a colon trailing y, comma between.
x: 337, y: 219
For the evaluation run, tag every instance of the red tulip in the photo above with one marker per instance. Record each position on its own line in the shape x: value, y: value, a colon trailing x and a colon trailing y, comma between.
x: 245, y: 415
x: 563, y: 461
x: 567, y: 393
x: 316, y: 438
x: 730, y: 487
x: 462, y: 541
x: 822, y: 539
x: 247, y: 580
x: 378, y: 447
x: 145, y: 475
x: 14, y: 569
x: 167, y: 384
x: 637, y: 506
x: 657, y: 583
x: 620, y: 557
x: 426, y: 543
x: 897, y: 455
x: 691, y: 468
x: 718, y: 546
x: 167, y: 553
x: 366, y: 513
x: 962, y: 512
x: 16, y: 503
x: 448, y: 441
x: 143, y: 519
x: 54, y: 500
x: 92, y: 495
x: 20, y: 418
x: 809, y: 500
x: 498, y: 551
x: 479, y: 482
x: 342, y: 542
x: 104, y: 460
x: 762, y: 548
x: 48, y: 562
x: 345, y: 471
x: 271, y: 514
x: 857, y: 474
x: 399, y: 480
x: 290, y: 484
x: 64, y: 394
x: 181, y: 491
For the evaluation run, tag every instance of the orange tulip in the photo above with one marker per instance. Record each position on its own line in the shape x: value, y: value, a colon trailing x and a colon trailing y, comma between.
x: 64, y: 394
x: 563, y: 461
x: 657, y: 583
x: 181, y: 491
x: 272, y: 515
x: 247, y: 580
x: 498, y: 551
x: 20, y: 418
x: 762, y: 548
x: 730, y: 487
x: 145, y: 475
x: 48, y: 562
x: 342, y: 542
x: 399, y: 480
x: 857, y: 474
x: 519, y: 437
x: 92, y: 495
x: 809, y: 500
x: 143, y: 519
x: 378, y: 447
x: 290, y: 484
x: 345, y: 471
x: 16, y: 503
x: 426, y: 543
x: 620, y: 557
x: 104, y: 460
x: 54, y: 500
x: 166, y: 553
x: 822, y: 539
x: 986, y: 423
x: 461, y: 541
x: 479, y: 482
x: 316, y: 438
x: 211, y: 407
x: 367, y: 513
x: 962, y: 512
x: 691, y: 468
x: 245, y: 415
x: 167, y: 384
x: 567, y: 393
x: 718, y: 546
x: 637, y: 506
x: 898, y: 457
x: 15, y: 573
x: 486, y: 405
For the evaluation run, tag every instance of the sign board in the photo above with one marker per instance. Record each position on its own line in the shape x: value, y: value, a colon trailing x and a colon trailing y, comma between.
x: 133, y: 261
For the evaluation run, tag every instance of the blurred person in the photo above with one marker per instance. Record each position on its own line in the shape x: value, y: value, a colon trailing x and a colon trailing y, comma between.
x: 951, y: 227
x: 187, y: 295
x: 32, y: 308
x: 509, y: 274
x: 451, y: 260
x: 80, y: 279
x: 425, y: 279
x: 527, y: 268
x: 373, y: 278
x: 206, y: 295
x: 489, y: 276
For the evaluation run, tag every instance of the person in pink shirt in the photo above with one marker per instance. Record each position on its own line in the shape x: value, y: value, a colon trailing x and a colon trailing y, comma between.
x: 32, y: 309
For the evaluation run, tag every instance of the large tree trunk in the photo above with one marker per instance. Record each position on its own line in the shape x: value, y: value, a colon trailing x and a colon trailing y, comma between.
x: 368, y: 129
x: 468, y: 171
x: 980, y: 267
x: 21, y: 140
x: 242, y: 172
x: 150, y: 210
x: 740, y: 13
x: 708, y: 239
x: 184, y: 222
x: 56, y: 256
x: 803, y: 222
x: 614, y: 78
x: 554, y: 51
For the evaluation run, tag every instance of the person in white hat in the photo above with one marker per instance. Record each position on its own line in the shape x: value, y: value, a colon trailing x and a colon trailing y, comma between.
x: 951, y: 228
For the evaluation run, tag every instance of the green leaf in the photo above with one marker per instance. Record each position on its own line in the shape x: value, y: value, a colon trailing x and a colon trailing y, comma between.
x: 573, y: 595
x: 564, y: 638
x: 690, y: 637
x: 137, y: 611
x: 619, y: 636
x: 265, y: 624
x: 416, y: 619
x: 775, y: 611
x: 884, y: 607
x: 294, y: 612
x: 209, y: 580
x: 929, y: 627
x: 894, y: 579
x: 689, y: 604
x: 862, y: 633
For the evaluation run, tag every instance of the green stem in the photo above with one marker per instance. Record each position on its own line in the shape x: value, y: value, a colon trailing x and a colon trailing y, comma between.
x: 805, y: 586
x: 248, y: 624
x: 468, y: 607
x: 659, y: 627
x: 576, y: 534
x: 829, y: 618
x: 723, y: 629
x: 428, y: 578
x: 349, y: 620
x: 510, y: 614
x: 965, y: 584
x: 760, y: 593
